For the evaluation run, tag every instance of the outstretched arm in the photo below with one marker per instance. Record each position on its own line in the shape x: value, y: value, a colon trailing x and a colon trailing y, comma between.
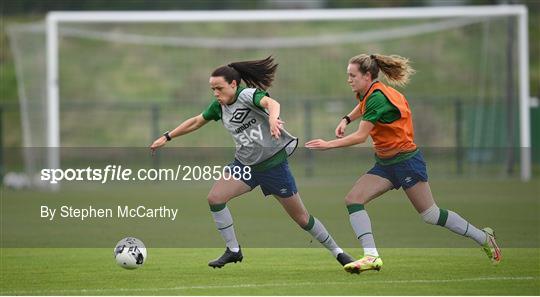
x: 186, y: 127
x: 357, y: 137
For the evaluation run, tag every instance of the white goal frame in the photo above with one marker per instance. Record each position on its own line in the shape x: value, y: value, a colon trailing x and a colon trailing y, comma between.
x: 56, y: 17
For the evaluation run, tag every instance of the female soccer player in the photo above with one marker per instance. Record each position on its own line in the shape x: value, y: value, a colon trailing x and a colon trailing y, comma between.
x: 252, y: 118
x: 386, y: 117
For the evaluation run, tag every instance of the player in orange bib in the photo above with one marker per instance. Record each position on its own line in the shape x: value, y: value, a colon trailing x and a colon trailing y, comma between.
x: 385, y: 115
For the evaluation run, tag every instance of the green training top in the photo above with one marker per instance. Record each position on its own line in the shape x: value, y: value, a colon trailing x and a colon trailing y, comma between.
x: 379, y: 108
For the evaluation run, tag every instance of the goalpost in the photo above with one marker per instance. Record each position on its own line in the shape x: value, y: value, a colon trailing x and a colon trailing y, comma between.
x: 54, y: 18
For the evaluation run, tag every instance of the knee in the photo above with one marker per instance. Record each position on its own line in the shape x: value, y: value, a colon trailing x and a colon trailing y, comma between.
x: 302, y: 220
x: 215, y: 198
x: 355, y: 199
x: 431, y: 215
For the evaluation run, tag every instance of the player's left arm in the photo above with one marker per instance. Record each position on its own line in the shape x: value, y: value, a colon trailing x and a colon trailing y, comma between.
x: 357, y: 137
x: 273, y: 108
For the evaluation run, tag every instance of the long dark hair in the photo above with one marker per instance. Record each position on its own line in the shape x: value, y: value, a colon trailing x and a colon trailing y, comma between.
x: 256, y: 74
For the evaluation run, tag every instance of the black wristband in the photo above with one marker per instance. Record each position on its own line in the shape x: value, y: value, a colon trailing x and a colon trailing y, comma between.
x: 167, y: 136
x: 347, y: 119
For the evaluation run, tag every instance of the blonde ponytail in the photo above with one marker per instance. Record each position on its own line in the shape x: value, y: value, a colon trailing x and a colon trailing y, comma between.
x: 396, y: 69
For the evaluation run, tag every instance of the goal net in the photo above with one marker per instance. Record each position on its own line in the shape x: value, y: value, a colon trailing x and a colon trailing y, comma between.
x: 119, y: 79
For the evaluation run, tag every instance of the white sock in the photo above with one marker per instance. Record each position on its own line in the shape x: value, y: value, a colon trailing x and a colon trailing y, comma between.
x: 319, y: 232
x: 460, y: 226
x: 224, y: 224
x: 453, y: 222
x: 361, y: 225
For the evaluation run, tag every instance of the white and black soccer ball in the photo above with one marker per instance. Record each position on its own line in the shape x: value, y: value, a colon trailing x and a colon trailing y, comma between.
x: 130, y: 253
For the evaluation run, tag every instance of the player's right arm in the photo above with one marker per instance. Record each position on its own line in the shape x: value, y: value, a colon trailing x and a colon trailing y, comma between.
x: 353, y: 115
x: 186, y: 127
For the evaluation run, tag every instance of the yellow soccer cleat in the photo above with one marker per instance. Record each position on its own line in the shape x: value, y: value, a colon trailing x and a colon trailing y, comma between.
x: 366, y: 263
x: 491, y: 248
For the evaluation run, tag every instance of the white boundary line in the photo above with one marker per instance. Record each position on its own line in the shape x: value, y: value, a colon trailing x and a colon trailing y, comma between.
x: 423, y: 281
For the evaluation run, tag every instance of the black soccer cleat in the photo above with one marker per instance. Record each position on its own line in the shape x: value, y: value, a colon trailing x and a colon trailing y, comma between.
x: 227, y: 257
x: 344, y: 259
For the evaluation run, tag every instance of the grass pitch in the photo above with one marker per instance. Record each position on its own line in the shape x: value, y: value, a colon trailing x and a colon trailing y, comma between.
x: 279, y: 258
x: 169, y: 271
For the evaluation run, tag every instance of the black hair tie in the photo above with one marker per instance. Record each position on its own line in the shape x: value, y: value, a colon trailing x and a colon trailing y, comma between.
x: 372, y: 56
x: 230, y: 65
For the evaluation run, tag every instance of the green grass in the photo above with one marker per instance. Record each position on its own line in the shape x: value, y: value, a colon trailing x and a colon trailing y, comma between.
x: 71, y: 257
x: 508, y: 206
x: 268, y: 272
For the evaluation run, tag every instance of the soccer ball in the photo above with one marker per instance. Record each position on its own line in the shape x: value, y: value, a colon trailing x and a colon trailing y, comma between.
x: 130, y: 253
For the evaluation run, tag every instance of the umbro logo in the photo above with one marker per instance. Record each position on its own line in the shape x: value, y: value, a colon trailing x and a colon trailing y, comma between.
x: 239, y: 115
x: 408, y: 179
x: 283, y: 191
